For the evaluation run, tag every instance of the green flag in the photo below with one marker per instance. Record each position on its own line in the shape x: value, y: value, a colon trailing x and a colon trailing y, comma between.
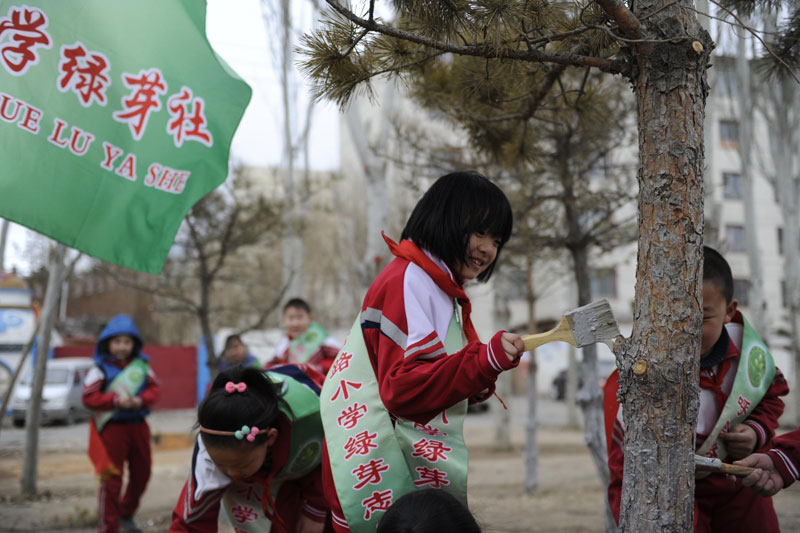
x: 116, y: 117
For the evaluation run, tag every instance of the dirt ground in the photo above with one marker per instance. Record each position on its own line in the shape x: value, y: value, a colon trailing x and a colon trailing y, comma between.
x: 569, y: 497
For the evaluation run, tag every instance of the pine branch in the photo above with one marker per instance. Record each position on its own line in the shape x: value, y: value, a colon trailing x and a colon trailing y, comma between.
x: 485, y: 50
x: 624, y: 18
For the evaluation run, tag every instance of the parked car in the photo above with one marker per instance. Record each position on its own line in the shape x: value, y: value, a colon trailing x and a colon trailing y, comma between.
x: 61, y: 394
x: 559, y: 387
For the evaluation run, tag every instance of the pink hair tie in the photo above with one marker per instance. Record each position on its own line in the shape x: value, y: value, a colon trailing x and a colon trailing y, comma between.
x: 231, y: 387
x: 252, y: 435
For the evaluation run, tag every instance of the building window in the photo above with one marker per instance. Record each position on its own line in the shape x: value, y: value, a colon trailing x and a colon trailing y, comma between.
x: 604, y: 283
x: 780, y: 241
x: 732, y: 185
x: 726, y: 83
x: 741, y: 291
x: 734, y: 236
x: 729, y: 133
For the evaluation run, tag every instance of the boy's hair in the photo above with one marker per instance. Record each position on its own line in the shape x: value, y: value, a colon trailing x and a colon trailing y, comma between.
x: 297, y: 303
x: 230, y: 338
x: 456, y: 206
x: 716, y: 270
x: 428, y: 510
x: 258, y: 406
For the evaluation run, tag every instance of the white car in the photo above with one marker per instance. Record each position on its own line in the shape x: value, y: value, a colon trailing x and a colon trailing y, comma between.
x: 61, y: 394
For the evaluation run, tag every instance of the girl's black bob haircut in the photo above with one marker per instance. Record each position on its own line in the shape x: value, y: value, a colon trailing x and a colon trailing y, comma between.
x: 456, y: 206
x: 258, y: 406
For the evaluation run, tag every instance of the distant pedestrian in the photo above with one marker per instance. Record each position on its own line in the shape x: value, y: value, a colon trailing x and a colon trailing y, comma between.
x: 120, y: 389
x: 305, y: 340
x: 236, y: 353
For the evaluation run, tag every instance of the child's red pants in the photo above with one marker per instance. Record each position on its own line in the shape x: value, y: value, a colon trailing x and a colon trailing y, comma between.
x: 131, y: 443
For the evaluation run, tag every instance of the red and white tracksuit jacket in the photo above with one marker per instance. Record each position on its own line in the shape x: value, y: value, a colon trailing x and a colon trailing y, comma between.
x: 405, y: 317
x: 197, y: 510
x: 321, y: 360
x: 127, y: 440
x: 785, y: 453
x: 720, y: 504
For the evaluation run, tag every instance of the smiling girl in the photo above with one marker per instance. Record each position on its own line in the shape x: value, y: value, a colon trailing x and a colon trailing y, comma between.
x: 395, y: 398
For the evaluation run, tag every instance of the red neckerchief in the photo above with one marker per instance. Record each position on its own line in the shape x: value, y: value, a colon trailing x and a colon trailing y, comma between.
x: 714, y: 381
x: 408, y: 250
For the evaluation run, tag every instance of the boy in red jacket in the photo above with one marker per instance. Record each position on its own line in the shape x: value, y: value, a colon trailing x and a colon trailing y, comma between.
x: 776, y: 468
x: 721, y: 504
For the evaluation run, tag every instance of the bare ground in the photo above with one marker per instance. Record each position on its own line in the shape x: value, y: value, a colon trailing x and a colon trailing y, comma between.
x: 568, y: 499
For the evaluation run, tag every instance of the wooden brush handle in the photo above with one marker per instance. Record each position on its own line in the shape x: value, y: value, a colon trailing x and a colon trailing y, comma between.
x: 562, y: 332
x: 736, y: 470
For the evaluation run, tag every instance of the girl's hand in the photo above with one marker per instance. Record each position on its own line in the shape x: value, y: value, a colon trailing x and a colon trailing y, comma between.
x: 512, y: 345
x: 306, y: 525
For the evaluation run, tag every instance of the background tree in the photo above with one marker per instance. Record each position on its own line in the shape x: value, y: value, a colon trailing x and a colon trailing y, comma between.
x: 778, y: 102
x: 220, y: 264
x: 283, y: 20
x: 662, y: 50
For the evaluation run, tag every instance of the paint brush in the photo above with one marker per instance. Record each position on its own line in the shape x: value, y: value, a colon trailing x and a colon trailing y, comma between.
x: 580, y: 327
x: 709, y: 464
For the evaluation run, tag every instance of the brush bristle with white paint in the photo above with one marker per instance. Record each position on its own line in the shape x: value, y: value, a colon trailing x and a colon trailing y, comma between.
x: 709, y: 464
x: 583, y: 326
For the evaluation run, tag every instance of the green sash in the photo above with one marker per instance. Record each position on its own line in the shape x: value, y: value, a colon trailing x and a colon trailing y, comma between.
x: 754, y: 376
x: 124, y: 385
x: 373, y: 461
x: 242, y: 502
x: 307, y: 344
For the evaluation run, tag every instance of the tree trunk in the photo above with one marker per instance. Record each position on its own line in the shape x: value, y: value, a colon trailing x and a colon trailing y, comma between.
x: 658, y: 364
x: 292, y: 275
x: 590, y: 397
x: 4, y: 224
x: 757, y: 304
x: 779, y: 102
x: 532, y: 425
x: 502, y: 428
x: 783, y: 141
x: 18, y: 371
x: 571, y: 388
x: 33, y: 415
x: 376, y: 186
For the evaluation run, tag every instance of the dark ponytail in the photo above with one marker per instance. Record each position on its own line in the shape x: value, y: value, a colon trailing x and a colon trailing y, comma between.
x: 258, y: 406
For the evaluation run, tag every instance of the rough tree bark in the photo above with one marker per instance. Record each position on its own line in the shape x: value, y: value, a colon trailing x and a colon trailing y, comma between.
x: 658, y: 363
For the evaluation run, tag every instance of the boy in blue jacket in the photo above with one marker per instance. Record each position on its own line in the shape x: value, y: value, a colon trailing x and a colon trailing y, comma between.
x: 120, y: 389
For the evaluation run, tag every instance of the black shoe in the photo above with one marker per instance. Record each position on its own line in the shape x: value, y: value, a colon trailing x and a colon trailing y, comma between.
x: 128, y: 524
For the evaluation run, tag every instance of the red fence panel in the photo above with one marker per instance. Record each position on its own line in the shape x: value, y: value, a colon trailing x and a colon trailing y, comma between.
x: 175, y: 367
